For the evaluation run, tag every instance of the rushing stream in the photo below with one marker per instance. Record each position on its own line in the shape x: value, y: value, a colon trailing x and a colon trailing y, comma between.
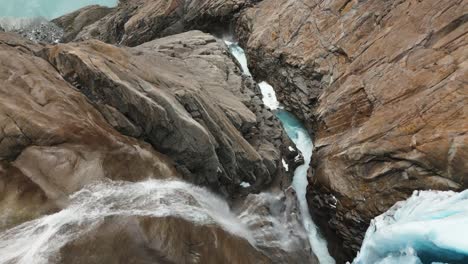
x: 40, y: 241
x: 429, y: 227
x: 299, y: 135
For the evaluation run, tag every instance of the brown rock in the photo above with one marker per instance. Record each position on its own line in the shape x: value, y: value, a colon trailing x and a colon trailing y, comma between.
x: 385, y: 90
x: 74, y: 22
x: 184, y: 94
x: 134, y: 22
x: 53, y: 141
x: 144, y: 240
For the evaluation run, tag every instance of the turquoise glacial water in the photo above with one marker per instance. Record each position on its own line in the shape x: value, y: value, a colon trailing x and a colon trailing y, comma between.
x: 48, y: 9
x: 300, y: 136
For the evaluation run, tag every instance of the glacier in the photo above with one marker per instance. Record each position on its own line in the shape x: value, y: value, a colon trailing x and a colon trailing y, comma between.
x: 429, y: 227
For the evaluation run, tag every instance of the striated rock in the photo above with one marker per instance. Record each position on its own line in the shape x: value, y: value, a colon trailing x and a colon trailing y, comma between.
x: 382, y: 84
x: 74, y: 22
x: 134, y: 22
x: 53, y: 141
x: 183, y: 95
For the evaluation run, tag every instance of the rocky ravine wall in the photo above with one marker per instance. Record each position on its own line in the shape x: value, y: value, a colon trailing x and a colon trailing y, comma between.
x: 383, y: 86
x: 178, y: 107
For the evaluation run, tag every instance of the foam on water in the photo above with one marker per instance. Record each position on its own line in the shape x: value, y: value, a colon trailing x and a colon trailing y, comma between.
x: 239, y: 54
x: 429, y: 227
x: 269, y: 96
x: 300, y: 136
x: 40, y: 240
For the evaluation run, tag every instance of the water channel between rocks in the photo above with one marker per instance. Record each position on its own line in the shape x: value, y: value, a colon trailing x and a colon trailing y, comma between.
x: 301, y: 138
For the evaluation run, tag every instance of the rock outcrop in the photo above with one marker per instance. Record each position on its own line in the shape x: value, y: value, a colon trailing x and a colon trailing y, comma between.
x: 134, y: 22
x: 115, y: 240
x: 382, y: 84
x: 53, y: 141
x: 74, y: 22
x: 185, y: 96
x: 73, y: 115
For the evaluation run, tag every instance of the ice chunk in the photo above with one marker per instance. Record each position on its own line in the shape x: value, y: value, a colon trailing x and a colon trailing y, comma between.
x: 433, y: 225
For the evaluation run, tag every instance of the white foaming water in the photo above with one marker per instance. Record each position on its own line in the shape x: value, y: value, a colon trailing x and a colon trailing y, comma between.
x: 429, y: 227
x: 40, y: 240
x: 239, y: 54
x: 301, y: 138
x: 269, y: 96
x: 48, y: 9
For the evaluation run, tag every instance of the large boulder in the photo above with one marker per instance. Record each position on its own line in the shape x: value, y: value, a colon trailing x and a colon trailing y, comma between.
x: 134, y: 22
x: 382, y: 84
x: 185, y: 96
x: 53, y: 141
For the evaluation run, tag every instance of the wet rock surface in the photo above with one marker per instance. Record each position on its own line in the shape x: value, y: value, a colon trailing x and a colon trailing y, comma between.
x: 383, y: 87
x: 139, y: 240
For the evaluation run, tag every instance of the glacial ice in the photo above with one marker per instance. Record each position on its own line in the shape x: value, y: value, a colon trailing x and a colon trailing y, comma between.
x: 429, y: 227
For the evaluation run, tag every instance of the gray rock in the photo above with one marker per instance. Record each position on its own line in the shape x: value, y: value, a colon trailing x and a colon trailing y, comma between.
x: 160, y: 87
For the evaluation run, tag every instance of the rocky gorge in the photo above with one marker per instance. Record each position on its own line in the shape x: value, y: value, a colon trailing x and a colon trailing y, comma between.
x: 143, y: 95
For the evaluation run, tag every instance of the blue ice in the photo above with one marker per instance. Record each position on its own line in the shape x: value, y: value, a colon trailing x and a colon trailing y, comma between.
x: 429, y: 227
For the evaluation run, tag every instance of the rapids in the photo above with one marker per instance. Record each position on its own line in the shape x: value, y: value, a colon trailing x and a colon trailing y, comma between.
x: 300, y: 136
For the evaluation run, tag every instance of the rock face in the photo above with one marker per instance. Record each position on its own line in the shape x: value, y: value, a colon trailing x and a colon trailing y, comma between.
x: 53, y: 141
x: 78, y: 114
x: 184, y: 96
x: 74, y: 22
x: 383, y: 86
x: 134, y: 22
x: 114, y: 240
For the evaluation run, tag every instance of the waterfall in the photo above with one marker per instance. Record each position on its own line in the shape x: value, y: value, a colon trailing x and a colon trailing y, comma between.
x: 300, y: 136
x: 429, y: 227
x: 40, y: 241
